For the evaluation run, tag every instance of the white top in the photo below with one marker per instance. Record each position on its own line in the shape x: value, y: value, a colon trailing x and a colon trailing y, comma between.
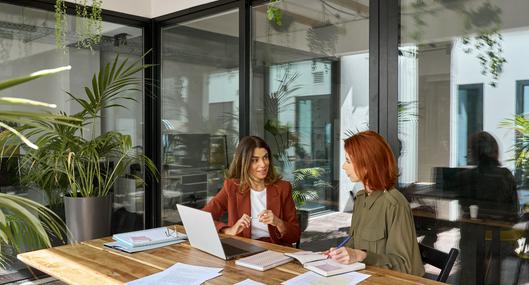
x: 258, y: 204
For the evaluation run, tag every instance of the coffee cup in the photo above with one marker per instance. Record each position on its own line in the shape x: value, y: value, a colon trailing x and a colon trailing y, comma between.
x: 473, y: 211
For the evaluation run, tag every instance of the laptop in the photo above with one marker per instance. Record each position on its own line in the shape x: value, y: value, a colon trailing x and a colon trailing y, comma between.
x: 202, y: 234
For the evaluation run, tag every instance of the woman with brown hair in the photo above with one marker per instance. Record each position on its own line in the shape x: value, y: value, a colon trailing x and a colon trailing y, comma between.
x: 382, y: 228
x: 258, y: 202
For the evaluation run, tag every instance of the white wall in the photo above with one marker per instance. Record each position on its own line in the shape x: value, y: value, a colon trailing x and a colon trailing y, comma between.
x: 499, y: 102
x: 149, y: 8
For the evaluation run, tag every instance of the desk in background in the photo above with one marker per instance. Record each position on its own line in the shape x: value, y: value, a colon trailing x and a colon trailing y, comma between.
x: 91, y: 263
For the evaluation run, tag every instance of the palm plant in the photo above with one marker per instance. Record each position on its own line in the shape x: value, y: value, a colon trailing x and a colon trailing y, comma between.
x: 307, y: 184
x: 74, y: 158
x: 520, y: 124
x: 25, y: 223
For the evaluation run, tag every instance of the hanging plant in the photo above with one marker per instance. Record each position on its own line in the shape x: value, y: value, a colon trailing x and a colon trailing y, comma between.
x: 487, y: 43
x: 274, y: 13
x: 489, y: 51
x: 89, y: 23
x: 60, y: 23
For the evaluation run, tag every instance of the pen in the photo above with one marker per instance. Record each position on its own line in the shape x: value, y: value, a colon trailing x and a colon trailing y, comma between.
x: 344, y: 242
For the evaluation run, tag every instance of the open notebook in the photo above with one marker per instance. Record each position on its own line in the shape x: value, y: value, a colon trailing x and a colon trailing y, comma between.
x: 319, y: 263
x: 306, y: 256
x: 330, y: 267
x: 264, y: 260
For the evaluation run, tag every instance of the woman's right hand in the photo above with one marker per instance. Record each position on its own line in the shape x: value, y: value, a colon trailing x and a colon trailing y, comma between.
x: 244, y: 222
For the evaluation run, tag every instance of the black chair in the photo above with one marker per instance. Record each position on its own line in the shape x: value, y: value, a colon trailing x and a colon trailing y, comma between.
x: 439, y: 259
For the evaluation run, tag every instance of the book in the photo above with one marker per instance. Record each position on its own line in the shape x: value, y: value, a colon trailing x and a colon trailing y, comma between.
x: 306, y: 256
x: 148, y: 237
x: 264, y: 260
x: 330, y: 267
x: 119, y: 246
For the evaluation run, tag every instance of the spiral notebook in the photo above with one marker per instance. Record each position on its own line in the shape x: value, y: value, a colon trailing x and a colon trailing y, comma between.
x: 264, y: 260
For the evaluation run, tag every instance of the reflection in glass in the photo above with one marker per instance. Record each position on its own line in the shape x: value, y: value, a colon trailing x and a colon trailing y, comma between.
x: 309, y: 87
x: 458, y: 94
x: 200, y: 109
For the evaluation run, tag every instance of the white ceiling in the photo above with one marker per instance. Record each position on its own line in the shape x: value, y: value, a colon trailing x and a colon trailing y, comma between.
x: 149, y: 8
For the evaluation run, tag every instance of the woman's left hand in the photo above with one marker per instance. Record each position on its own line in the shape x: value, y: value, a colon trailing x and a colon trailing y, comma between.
x: 346, y: 255
x: 268, y: 217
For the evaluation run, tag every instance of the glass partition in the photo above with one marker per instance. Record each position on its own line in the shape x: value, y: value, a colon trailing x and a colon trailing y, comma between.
x: 309, y: 91
x: 200, y: 109
x: 27, y: 44
x: 463, y: 130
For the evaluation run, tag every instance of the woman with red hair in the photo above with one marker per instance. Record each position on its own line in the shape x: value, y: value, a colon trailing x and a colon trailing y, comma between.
x: 382, y: 229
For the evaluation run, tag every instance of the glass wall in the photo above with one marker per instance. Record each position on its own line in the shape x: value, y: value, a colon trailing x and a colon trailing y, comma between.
x: 27, y: 44
x: 200, y: 109
x: 309, y: 89
x: 462, y: 81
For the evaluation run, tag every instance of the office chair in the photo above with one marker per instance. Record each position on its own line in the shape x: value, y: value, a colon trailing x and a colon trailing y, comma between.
x: 439, y: 259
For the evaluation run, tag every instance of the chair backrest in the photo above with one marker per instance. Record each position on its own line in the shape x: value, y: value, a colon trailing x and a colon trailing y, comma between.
x: 439, y: 259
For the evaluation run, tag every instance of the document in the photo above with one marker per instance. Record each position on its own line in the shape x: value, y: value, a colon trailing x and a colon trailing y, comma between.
x: 330, y: 267
x: 148, y: 237
x: 311, y: 278
x: 249, y: 282
x: 306, y: 256
x: 180, y: 274
x: 264, y: 260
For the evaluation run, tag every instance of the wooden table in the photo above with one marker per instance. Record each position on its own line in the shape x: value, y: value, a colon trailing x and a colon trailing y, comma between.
x: 91, y: 263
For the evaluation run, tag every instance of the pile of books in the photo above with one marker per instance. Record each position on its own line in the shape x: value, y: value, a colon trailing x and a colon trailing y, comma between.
x: 146, y: 239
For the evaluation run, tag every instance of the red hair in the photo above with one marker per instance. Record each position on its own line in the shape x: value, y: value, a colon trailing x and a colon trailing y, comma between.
x: 372, y: 159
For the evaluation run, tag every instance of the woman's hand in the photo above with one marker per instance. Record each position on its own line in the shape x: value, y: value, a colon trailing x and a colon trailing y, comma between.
x: 267, y: 217
x: 346, y: 255
x: 244, y: 222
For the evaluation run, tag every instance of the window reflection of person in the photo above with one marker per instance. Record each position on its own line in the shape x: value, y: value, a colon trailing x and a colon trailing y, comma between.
x: 488, y: 185
x: 492, y: 188
x: 382, y: 227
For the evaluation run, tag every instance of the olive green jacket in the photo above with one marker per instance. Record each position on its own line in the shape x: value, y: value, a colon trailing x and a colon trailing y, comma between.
x: 383, y: 226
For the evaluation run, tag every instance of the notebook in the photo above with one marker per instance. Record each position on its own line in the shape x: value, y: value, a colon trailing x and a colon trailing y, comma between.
x: 119, y: 246
x: 330, y: 267
x: 264, y: 260
x: 306, y: 256
x: 148, y: 237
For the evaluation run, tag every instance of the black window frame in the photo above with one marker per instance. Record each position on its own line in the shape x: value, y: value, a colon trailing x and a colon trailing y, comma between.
x: 384, y: 29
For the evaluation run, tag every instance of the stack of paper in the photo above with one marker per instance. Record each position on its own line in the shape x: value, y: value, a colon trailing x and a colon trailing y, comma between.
x: 180, y: 274
x: 146, y: 239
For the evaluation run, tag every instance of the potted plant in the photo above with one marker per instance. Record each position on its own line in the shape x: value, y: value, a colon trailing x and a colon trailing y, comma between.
x: 306, y: 186
x: 84, y: 164
x: 25, y: 224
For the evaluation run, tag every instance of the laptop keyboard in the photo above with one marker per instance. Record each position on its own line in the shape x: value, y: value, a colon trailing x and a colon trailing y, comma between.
x: 230, y: 250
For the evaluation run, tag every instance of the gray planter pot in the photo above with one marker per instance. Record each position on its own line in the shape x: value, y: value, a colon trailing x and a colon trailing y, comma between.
x: 88, y: 218
x: 303, y: 219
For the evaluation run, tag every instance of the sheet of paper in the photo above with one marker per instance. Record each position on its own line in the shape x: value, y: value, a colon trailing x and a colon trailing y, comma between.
x: 249, y: 282
x: 311, y: 278
x: 180, y: 274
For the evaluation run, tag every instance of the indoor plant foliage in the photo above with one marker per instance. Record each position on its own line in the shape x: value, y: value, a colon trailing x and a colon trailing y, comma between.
x: 308, y: 183
x: 89, y: 23
x: 23, y: 222
x: 76, y: 162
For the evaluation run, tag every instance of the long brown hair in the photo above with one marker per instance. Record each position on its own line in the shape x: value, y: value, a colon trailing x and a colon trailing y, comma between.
x: 372, y: 159
x: 242, y: 161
